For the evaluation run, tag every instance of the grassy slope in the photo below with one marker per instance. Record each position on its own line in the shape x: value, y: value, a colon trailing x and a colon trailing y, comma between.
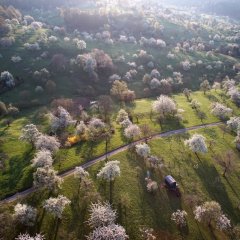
x: 144, y: 209
x: 202, y: 178
x: 17, y: 172
x: 67, y: 83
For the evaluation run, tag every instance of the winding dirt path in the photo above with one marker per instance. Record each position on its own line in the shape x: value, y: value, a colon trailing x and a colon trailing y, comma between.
x: 69, y: 172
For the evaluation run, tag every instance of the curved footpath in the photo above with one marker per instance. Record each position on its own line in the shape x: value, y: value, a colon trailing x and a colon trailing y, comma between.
x: 109, y: 154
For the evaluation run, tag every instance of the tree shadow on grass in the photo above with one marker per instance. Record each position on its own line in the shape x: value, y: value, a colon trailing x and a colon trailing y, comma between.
x: 174, y: 201
x: 212, y: 98
x: 216, y: 189
x: 40, y: 220
x: 171, y: 124
x: 79, y: 215
x: 103, y: 188
x: 79, y: 146
x: 123, y: 138
x: 57, y: 224
x: 88, y: 150
x: 50, y: 227
x: 233, y: 189
x: 211, y: 132
x: 201, y: 233
x: 20, y: 173
x: 53, y: 227
x: 3, y: 131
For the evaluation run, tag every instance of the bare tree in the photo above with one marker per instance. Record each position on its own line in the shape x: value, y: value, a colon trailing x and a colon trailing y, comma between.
x: 146, y: 131
x: 187, y: 93
x: 105, y: 104
x: 226, y: 161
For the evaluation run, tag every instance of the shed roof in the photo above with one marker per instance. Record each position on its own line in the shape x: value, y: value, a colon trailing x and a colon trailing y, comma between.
x: 170, y: 179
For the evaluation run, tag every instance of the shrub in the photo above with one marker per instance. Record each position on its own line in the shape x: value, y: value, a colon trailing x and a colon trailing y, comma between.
x: 50, y: 86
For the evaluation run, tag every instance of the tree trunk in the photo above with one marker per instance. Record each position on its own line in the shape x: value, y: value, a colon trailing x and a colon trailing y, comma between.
x: 209, y: 224
x: 197, y: 156
x: 106, y: 149
x: 32, y: 143
x: 238, y: 146
x: 56, y: 228
x: 79, y: 186
x: 111, y: 192
x: 225, y: 171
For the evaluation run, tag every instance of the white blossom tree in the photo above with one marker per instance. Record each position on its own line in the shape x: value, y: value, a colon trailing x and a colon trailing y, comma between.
x: 81, y: 175
x: 216, y: 86
x: 211, y: 213
x: 47, y: 142
x: 42, y: 158
x: 155, y: 74
x: 81, y: 44
x: 143, y: 150
x: 234, y: 93
x: 29, y: 133
x: 101, y: 214
x: 155, y: 162
x: 132, y: 131
x: 160, y: 43
x: 228, y: 83
x: 195, y: 104
x: 125, y: 123
x: 152, y: 186
x: 234, y: 124
x: 237, y: 140
x: 61, y: 120
x: 164, y: 106
x: 16, y: 59
x: 7, y: 79
x: 26, y: 236
x: 205, y: 86
x: 221, y: 111
x: 32, y: 46
x: 186, y: 65
x: 52, y: 39
x: 223, y: 223
x: 110, y: 232
x: 88, y: 62
x: 96, y: 129
x: 109, y: 172
x: 155, y: 83
x: 197, y: 144
x: 25, y: 214
x: 114, y: 77
x: 121, y: 116
x: 46, y: 178
x: 147, y: 233
x: 56, y: 206
x: 179, y: 217
x: 81, y: 128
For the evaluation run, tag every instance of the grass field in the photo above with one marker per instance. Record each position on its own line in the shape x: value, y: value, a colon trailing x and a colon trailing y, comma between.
x: 136, y: 207
x: 16, y: 156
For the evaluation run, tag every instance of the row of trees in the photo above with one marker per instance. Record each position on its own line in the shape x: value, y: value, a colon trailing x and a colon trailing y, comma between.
x: 209, y: 213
